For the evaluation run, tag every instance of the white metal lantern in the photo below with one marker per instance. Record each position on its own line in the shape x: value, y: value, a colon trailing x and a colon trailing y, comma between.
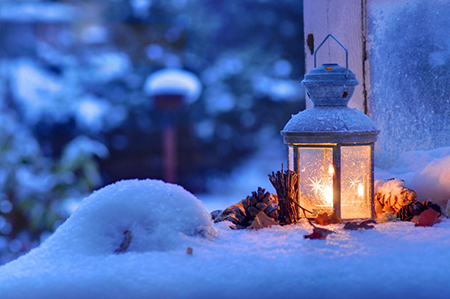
x: 331, y: 146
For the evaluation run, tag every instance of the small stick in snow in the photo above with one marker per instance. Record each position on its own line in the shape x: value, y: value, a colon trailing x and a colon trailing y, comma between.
x: 125, y: 243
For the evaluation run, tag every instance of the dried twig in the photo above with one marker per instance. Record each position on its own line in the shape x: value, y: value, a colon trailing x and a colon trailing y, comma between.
x: 286, y: 185
x: 125, y: 243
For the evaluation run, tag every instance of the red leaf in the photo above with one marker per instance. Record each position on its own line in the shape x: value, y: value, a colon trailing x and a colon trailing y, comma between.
x: 427, y: 218
x: 318, y: 233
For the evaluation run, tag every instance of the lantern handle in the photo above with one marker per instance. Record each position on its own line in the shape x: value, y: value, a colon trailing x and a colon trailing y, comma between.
x: 346, y: 52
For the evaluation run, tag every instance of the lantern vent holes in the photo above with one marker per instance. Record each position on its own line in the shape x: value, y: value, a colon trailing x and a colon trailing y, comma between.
x: 345, y: 94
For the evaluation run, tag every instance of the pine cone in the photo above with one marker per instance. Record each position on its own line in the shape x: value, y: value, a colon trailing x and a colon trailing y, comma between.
x: 406, y: 213
x: 260, y: 200
x: 416, y: 208
x: 392, y: 196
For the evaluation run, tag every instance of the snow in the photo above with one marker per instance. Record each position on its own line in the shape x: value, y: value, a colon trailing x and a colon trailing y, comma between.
x: 35, y: 89
x: 394, y: 260
x: 32, y: 12
x: 82, y: 147
x: 277, y: 89
x: 95, y: 34
x: 110, y: 65
x: 91, y: 112
x: 394, y: 187
x: 174, y: 81
x: 330, y: 119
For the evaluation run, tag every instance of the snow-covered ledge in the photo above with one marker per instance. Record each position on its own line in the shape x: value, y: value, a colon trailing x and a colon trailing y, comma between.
x: 173, y: 250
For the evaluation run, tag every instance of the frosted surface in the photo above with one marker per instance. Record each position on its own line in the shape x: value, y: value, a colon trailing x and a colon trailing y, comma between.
x: 410, y: 76
x: 355, y: 182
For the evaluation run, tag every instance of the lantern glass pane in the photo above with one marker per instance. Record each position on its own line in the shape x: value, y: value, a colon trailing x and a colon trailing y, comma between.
x: 356, y: 178
x: 292, y: 157
x: 315, y: 169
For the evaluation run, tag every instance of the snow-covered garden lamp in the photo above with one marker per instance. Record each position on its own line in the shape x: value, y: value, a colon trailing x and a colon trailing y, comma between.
x: 331, y: 146
x: 171, y: 90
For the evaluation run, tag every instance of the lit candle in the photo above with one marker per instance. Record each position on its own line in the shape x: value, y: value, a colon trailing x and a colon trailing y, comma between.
x: 328, y: 192
x: 360, y: 190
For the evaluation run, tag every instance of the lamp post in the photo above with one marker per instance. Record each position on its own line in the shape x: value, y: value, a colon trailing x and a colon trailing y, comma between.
x: 331, y: 146
x: 171, y: 90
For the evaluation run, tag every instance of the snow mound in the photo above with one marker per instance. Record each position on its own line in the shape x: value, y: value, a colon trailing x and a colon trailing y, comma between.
x: 158, y: 215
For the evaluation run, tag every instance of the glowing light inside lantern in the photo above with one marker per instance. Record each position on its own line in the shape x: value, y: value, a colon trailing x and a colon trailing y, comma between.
x: 331, y: 170
x: 360, y: 190
x: 328, y: 192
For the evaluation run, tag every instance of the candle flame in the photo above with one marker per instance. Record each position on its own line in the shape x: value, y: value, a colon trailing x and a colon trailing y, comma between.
x: 360, y: 190
x: 331, y: 170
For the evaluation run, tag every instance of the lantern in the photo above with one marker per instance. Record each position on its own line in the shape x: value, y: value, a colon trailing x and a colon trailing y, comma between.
x: 331, y: 146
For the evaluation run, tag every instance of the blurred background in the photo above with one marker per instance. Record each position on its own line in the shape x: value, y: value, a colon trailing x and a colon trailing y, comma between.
x: 80, y: 108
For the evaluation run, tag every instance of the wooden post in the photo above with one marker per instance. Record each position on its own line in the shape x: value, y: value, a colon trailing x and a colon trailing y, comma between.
x: 170, y: 154
x: 345, y: 19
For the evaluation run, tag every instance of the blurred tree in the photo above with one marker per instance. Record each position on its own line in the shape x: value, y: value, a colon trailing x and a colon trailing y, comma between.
x: 71, y: 90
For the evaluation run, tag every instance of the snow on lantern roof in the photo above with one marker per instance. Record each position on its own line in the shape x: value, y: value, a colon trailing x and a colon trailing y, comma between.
x: 345, y: 124
x: 174, y: 81
x: 38, y: 12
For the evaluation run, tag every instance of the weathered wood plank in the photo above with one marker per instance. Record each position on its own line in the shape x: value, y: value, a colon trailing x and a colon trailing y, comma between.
x: 344, y: 19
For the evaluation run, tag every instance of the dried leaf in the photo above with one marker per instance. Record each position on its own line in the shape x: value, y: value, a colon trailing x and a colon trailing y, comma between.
x: 324, y: 219
x: 319, y: 233
x: 415, y: 219
x: 262, y: 221
x: 362, y: 225
x: 427, y: 218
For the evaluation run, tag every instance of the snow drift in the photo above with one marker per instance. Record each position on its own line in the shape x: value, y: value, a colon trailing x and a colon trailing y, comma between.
x: 160, y: 216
